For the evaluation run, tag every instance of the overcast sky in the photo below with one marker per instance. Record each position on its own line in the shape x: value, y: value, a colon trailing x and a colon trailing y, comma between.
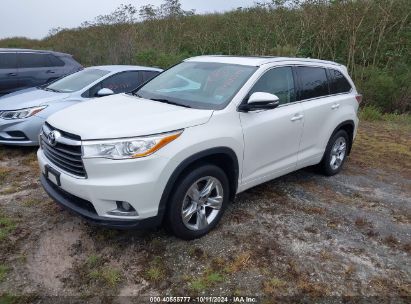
x: 34, y: 18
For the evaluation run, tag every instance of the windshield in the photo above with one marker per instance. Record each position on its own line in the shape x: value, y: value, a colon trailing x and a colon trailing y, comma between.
x: 201, y: 85
x: 76, y: 81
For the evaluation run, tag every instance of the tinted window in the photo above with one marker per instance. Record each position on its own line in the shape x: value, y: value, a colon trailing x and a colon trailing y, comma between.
x: 8, y: 60
x: 77, y: 81
x: 314, y: 82
x: 278, y: 81
x: 202, y: 85
x: 338, y: 83
x: 119, y: 83
x: 33, y: 60
x: 148, y: 75
x: 55, y: 61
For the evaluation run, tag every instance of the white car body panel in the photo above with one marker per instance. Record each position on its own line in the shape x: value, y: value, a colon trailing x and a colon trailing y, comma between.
x: 134, y: 117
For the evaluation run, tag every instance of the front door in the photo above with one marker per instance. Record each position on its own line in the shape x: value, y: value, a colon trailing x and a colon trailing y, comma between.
x: 272, y: 137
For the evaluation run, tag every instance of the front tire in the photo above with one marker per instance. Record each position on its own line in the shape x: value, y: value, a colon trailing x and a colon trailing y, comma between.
x: 335, y: 154
x: 198, y: 202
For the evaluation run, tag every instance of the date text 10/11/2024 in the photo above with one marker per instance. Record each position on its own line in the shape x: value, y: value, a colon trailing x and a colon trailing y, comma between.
x: 204, y: 299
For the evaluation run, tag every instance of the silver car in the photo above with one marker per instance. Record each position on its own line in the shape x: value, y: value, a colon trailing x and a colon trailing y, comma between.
x: 23, y: 113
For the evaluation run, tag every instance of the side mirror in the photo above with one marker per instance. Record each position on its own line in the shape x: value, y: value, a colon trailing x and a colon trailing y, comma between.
x: 104, y: 92
x: 260, y: 101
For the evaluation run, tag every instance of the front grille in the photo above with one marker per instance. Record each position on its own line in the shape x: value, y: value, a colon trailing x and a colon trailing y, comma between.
x: 65, y: 156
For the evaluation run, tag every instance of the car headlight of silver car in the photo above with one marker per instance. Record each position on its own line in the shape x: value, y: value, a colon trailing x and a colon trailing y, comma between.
x: 128, y: 147
x: 22, y: 113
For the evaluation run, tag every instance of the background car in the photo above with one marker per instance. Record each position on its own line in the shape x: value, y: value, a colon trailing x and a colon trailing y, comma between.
x: 22, y: 113
x: 21, y: 68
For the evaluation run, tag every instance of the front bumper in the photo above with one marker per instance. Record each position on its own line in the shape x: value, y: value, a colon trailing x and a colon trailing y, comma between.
x: 21, y: 132
x: 139, y: 182
x: 85, y: 209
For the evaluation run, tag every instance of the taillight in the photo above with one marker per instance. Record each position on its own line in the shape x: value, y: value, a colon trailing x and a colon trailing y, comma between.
x: 358, y: 97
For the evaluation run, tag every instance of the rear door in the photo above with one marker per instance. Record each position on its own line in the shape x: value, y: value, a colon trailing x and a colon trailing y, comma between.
x: 35, y: 69
x: 8, y: 73
x: 56, y: 67
x: 321, y: 113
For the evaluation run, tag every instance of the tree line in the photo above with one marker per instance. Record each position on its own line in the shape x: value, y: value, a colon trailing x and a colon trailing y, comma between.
x: 372, y: 38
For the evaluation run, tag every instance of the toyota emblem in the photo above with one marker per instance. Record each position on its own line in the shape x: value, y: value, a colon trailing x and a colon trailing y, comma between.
x: 52, y: 137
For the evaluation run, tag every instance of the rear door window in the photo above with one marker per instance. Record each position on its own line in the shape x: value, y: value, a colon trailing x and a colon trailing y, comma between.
x: 338, y: 82
x: 8, y: 61
x: 313, y: 82
x: 33, y: 60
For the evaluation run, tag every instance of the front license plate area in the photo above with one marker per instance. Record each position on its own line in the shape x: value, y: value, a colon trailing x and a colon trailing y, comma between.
x: 52, y: 175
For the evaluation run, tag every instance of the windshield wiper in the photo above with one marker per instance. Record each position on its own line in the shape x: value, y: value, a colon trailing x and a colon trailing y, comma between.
x: 170, y: 102
x: 48, y: 89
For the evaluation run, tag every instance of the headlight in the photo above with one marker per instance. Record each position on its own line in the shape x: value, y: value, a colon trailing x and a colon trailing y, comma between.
x: 22, y: 113
x: 128, y: 147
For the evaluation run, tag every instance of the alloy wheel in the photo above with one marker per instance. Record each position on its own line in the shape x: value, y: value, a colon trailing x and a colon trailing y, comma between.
x: 338, y: 152
x: 202, y: 203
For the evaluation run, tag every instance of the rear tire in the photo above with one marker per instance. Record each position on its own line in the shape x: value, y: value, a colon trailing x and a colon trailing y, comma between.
x: 335, y: 153
x: 198, y: 202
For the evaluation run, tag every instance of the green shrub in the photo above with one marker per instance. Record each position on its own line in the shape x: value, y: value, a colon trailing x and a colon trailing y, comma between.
x: 370, y: 113
x: 372, y: 38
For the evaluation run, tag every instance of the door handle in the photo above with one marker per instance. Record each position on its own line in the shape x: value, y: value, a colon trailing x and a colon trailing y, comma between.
x: 50, y: 72
x: 335, y: 106
x: 11, y: 74
x: 297, y: 117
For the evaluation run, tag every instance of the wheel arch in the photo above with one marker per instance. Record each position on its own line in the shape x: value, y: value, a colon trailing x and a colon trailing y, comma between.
x: 223, y: 157
x: 349, y: 127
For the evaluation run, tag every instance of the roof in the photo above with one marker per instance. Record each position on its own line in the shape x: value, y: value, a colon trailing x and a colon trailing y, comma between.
x: 35, y: 51
x: 120, y: 68
x: 255, y: 60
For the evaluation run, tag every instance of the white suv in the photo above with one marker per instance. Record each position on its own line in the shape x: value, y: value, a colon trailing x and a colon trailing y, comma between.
x: 181, y: 146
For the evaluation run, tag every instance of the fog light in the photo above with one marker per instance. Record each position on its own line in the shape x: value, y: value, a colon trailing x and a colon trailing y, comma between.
x: 123, y: 209
x: 125, y: 206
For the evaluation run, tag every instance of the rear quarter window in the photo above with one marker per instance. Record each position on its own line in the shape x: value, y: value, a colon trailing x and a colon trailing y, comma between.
x: 338, y: 82
x: 55, y: 61
x: 313, y: 82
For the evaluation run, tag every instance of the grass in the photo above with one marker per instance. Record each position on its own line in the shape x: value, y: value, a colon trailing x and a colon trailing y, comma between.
x: 156, y: 270
x: 3, y: 272
x: 7, y: 226
x: 383, y: 145
x: 94, y: 261
x: 95, y: 273
x: 31, y: 161
x: 108, y: 275
x: 208, y: 279
x: 4, y: 173
x: 31, y: 202
x: 240, y: 262
x: 273, y: 285
x: 372, y: 113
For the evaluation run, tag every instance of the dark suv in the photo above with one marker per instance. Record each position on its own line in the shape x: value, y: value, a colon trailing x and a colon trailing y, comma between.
x: 20, y: 68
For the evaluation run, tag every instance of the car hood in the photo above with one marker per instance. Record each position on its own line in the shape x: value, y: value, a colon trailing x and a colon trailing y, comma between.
x: 123, y: 115
x: 29, y: 98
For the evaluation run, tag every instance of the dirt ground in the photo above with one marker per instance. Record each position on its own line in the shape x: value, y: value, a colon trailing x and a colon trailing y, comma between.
x: 302, y: 236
